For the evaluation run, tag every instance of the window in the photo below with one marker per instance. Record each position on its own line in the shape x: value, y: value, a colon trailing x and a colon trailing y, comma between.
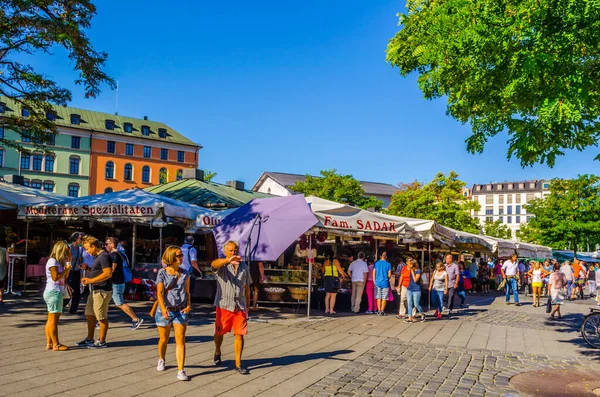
x: 517, y: 209
x: 110, y: 147
x: 26, y: 182
x: 180, y: 156
x: 529, y: 197
x: 49, y: 164
x: 498, y: 187
x: 163, y: 176
x: 489, y: 218
x: 164, y: 154
x: 145, y: 130
x: 128, y: 172
x: 478, y: 188
x: 129, y: 149
x: 75, y: 142
x: 36, y: 184
x: 509, y: 199
x: 48, y: 186
x: 518, y: 199
x: 76, y: 119
x: 489, y: 199
x: 162, y: 133
x: 501, y: 211
x: 531, y: 186
x: 1, y: 158
x: 489, y: 210
x: 109, y: 124
x: 179, y: 174
x: 511, y: 186
x: 73, y: 190
x: 26, y: 136
x: 146, y: 174
x: 546, y: 186
x: 25, y: 112
x: 51, y: 116
x: 488, y: 187
x: 501, y: 219
x: 25, y: 159
x: 110, y: 170
x: 51, y: 140
x: 509, y: 209
x: 147, y: 151
x: 37, y: 162
x: 128, y: 127
x: 517, y: 219
x: 501, y: 199
x: 509, y: 219
x: 521, y: 186
x: 108, y: 190
x: 74, y: 166
x: 2, y: 107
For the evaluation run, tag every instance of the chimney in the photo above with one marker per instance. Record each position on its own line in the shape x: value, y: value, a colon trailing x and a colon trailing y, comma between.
x: 191, y: 173
x: 238, y: 185
x: 146, y: 118
x: 15, y: 179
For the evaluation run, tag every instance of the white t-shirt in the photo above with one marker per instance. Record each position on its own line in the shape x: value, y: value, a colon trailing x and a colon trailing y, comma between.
x: 193, y: 256
x: 567, y: 270
x: 52, y: 285
x: 358, y: 269
x: 510, y: 267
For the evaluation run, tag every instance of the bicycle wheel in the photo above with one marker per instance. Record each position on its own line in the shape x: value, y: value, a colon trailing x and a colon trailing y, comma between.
x: 590, y: 330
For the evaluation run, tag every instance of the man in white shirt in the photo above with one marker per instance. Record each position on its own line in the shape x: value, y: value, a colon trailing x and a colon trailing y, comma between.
x: 510, y: 272
x: 567, y: 270
x: 359, y: 272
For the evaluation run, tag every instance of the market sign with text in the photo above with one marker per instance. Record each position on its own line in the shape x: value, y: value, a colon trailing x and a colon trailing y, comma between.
x: 375, y: 223
x: 104, y: 210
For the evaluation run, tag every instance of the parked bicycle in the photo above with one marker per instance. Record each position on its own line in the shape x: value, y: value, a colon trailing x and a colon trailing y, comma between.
x: 590, y: 329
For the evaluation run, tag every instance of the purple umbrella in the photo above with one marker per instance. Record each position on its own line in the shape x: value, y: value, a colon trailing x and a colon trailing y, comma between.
x: 265, y: 227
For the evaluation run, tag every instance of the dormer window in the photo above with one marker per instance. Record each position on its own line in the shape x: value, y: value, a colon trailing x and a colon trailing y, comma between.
x: 162, y: 132
x: 25, y: 112
x: 145, y: 130
x: 2, y: 107
x: 128, y: 127
x: 51, y: 116
x: 75, y: 119
x: 109, y: 124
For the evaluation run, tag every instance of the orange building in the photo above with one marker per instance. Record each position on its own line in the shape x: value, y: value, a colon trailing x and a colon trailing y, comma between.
x: 130, y: 153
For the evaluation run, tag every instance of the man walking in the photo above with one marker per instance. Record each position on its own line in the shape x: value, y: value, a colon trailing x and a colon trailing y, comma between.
x: 473, y: 268
x: 99, y: 280
x: 118, y: 281
x: 233, y: 295
x: 190, y: 260
x: 74, y: 279
x: 510, y: 272
x: 453, y: 278
x: 382, y: 272
x: 358, y: 271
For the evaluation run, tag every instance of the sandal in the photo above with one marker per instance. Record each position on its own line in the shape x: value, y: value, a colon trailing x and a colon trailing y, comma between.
x: 60, y: 348
x: 49, y: 346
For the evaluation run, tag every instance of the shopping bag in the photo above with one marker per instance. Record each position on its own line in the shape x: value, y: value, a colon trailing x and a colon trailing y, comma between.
x: 467, y: 284
x: 549, y: 304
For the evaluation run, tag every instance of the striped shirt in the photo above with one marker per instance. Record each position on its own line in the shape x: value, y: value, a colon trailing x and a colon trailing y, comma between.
x: 231, y: 286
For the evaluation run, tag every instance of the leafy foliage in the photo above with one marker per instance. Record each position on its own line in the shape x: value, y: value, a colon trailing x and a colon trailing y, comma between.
x: 528, y: 67
x: 336, y: 187
x: 29, y: 27
x: 209, y: 175
x: 440, y: 200
x: 496, y: 229
x: 568, y: 216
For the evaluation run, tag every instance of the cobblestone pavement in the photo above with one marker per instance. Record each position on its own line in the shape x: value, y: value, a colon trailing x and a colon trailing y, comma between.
x: 569, y: 322
x: 409, y: 369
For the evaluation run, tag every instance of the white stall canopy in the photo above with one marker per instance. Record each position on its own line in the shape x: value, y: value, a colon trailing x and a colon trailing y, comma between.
x: 12, y: 196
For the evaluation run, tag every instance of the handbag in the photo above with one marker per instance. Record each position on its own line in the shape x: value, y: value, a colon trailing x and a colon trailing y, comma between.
x: 67, y: 292
x: 467, y: 284
x: 127, y: 275
x: 549, y: 304
x: 170, y: 287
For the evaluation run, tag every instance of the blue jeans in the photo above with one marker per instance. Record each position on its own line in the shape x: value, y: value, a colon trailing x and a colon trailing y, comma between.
x: 511, y: 283
x: 437, y: 298
x: 569, y: 288
x: 414, y: 299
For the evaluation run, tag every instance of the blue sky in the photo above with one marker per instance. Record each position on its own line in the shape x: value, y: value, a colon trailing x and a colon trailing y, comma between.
x: 286, y: 86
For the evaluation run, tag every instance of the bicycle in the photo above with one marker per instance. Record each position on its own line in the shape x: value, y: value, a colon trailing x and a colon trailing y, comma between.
x: 590, y: 329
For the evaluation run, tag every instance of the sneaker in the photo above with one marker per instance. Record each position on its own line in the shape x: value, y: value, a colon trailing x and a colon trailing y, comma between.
x: 98, y: 345
x: 182, y: 376
x: 85, y: 342
x: 242, y: 371
x: 517, y: 304
x: 161, y: 365
x: 136, y: 324
x: 383, y: 313
x: 368, y: 312
x: 508, y: 303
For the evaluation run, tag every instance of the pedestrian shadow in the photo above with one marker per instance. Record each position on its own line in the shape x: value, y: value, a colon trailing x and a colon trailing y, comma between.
x: 154, y: 341
x: 570, y: 322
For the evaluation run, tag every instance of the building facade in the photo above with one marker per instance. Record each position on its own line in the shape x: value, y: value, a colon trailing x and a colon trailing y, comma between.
x: 96, y: 152
x: 504, y: 201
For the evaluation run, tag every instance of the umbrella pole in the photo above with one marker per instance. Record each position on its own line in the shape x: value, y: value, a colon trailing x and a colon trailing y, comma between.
x: 133, y: 247
x: 26, y: 249
x: 309, y: 276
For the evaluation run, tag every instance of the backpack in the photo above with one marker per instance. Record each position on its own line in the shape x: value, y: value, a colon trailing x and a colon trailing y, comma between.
x: 127, y: 275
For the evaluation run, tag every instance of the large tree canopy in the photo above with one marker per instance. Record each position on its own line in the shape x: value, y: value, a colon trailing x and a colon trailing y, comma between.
x: 336, y: 187
x: 36, y: 27
x: 496, y: 229
x: 568, y: 217
x: 528, y: 67
x: 440, y: 200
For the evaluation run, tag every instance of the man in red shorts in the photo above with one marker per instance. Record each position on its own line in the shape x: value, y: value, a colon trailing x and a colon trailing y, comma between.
x: 233, y: 295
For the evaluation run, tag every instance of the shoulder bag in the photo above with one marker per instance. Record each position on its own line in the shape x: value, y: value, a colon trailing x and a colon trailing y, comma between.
x: 170, y: 287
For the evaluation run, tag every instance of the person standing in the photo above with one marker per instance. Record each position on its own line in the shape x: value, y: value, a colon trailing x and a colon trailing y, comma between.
x: 413, y: 293
x: 173, y: 295
x: 591, y: 277
x: 99, y: 280
x: 370, y: 288
x: 118, y: 282
x: 498, y: 272
x: 58, y: 268
x: 332, y: 271
x: 233, y: 291
x: 453, y: 279
x: 537, y: 273
x: 438, y: 287
x: 358, y: 271
x: 522, y: 273
x: 579, y: 272
x: 382, y: 272
x: 483, y: 278
x: 567, y: 270
x: 190, y: 260
x: 557, y: 287
x: 3, y: 271
x: 510, y: 272
x: 74, y: 280
x: 473, y: 271
x: 257, y: 272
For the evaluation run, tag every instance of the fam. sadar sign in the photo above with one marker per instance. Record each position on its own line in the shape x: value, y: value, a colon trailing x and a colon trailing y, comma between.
x: 108, y: 210
x: 361, y: 224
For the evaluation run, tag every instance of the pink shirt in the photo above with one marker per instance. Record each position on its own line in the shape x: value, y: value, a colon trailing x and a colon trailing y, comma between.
x: 558, y: 280
x: 370, y: 274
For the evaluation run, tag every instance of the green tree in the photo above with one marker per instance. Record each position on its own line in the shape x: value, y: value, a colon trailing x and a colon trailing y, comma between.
x: 526, y: 67
x: 209, y: 175
x: 496, y: 229
x: 440, y: 200
x: 568, y: 217
x: 336, y: 187
x: 36, y: 27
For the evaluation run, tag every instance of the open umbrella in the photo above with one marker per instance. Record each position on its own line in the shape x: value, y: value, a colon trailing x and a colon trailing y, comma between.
x: 265, y: 227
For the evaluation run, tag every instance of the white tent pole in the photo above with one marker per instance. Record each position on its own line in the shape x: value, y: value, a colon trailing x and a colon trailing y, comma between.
x: 26, y: 249
x: 160, y: 244
x: 133, y: 247
x: 309, y: 274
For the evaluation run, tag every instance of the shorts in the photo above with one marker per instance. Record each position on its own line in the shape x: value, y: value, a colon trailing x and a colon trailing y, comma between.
x: 537, y: 284
x: 381, y: 293
x: 97, y: 304
x: 227, y: 321
x: 175, y: 317
x: 118, y: 291
x: 580, y: 281
x: 255, y: 287
x: 54, y: 301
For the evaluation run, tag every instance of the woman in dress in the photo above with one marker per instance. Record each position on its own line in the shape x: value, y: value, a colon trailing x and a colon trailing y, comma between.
x: 58, y: 268
x: 370, y: 288
x: 558, y: 293
x: 413, y: 292
x: 439, y: 287
x: 536, y: 274
x: 483, y: 277
x: 173, y: 295
x: 332, y: 271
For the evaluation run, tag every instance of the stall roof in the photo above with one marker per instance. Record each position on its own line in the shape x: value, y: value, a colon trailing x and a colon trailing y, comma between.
x: 563, y: 255
x: 206, y: 194
x: 11, y: 196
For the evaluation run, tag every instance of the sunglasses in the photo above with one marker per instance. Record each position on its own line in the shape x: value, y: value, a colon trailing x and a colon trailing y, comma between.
x: 179, y: 256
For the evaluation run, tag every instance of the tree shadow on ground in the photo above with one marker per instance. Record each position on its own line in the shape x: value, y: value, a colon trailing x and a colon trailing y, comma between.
x: 191, y: 339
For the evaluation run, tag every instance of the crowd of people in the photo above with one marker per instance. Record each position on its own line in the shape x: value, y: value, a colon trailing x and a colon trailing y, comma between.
x: 83, y: 266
